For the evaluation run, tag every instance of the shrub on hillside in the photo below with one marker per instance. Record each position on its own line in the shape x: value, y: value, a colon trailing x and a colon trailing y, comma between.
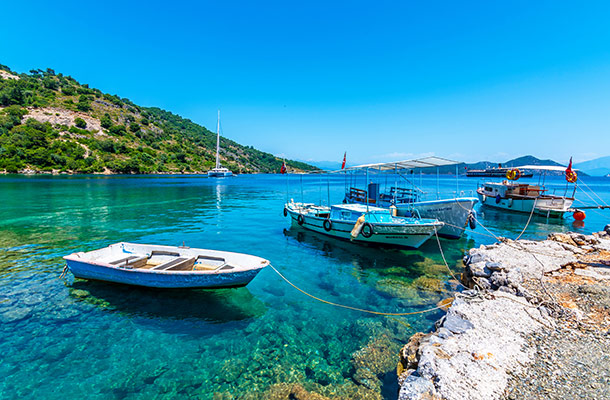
x: 80, y: 123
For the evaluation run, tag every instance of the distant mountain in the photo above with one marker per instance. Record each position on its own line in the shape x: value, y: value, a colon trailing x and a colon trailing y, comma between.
x: 525, y: 160
x: 597, y: 167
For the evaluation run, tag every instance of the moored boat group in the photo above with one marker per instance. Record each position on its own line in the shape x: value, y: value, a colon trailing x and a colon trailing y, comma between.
x: 396, y: 216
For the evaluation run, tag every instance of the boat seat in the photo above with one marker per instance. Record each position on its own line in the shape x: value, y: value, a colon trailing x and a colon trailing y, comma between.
x: 133, y: 261
x: 177, y: 264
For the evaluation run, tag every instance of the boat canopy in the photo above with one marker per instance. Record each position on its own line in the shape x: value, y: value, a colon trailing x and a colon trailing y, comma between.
x: 425, y: 162
x: 545, y: 167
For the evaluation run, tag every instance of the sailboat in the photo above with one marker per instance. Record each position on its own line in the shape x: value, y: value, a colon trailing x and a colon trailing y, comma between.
x: 219, y: 170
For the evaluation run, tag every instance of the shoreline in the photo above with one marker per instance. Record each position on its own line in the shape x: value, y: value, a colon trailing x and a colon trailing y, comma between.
x: 532, y: 309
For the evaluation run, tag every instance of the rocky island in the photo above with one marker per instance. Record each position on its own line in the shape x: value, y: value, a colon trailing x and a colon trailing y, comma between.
x: 534, y: 323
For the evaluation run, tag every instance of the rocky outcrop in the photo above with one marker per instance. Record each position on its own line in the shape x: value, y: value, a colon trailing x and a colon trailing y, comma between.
x: 483, y: 339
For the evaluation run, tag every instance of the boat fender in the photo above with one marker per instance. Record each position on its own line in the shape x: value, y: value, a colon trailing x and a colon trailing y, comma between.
x: 357, y: 227
x: 472, y: 221
x: 510, y: 203
x: 579, y: 215
x: 393, y: 210
x: 300, y: 219
x: 285, y: 212
x: 367, y: 230
x: 483, y: 198
x: 328, y: 225
x: 498, y: 199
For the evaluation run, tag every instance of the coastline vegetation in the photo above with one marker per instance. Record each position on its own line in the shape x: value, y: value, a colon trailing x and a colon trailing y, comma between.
x: 49, y: 122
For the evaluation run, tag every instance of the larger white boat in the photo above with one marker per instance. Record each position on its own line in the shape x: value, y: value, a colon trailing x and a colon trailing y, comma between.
x: 457, y: 212
x: 219, y: 170
x: 364, y: 224
x: 526, y: 198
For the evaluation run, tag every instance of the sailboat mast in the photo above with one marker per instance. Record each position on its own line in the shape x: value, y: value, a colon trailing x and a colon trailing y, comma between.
x: 218, y: 140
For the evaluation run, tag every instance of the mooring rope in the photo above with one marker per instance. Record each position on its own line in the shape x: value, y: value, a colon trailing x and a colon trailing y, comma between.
x: 528, y: 220
x: 355, y: 308
x: 440, y: 249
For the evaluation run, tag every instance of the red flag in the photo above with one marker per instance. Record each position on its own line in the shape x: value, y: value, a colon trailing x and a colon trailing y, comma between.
x: 570, y: 174
x: 283, y: 169
x: 344, y: 155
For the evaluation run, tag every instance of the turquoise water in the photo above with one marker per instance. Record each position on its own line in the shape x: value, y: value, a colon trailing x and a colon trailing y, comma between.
x: 101, y: 341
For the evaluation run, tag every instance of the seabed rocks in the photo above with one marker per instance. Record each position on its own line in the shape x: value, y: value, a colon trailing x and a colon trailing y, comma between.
x: 493, y: 332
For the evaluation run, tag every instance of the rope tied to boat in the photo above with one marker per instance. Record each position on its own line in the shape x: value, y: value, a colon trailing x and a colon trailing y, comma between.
x: 355, y: 308
x: 64, y: 272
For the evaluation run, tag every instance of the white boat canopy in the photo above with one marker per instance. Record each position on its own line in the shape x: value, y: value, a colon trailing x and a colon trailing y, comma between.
x: 425, y: 162
x: 545, y: 167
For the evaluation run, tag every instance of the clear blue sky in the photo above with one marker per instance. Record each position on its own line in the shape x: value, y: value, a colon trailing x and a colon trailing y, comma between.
x: 310, y: 80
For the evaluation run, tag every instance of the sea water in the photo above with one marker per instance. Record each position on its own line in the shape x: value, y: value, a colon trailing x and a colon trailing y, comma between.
x: 63, y: 339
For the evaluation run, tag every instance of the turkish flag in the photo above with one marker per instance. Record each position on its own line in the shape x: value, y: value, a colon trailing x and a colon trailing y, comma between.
x: 344, y: 155
x: 283, y: 169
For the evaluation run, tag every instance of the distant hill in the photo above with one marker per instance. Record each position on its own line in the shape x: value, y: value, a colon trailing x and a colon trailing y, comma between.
x: 597, y: 167
x: 524, y: 160
x: 49, y: 122
x: 325, y: 165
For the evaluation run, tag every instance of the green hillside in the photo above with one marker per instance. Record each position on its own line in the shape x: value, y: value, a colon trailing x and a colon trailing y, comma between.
x: 49, y: 122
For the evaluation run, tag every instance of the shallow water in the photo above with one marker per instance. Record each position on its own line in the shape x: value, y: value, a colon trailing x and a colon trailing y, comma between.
x: 95, y: 340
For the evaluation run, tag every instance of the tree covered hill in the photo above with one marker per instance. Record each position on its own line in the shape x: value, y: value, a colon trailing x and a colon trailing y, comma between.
x: 50, y: 122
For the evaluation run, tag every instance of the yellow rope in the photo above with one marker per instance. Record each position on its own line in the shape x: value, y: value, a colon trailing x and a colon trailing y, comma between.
x: 440, y: 248
x: 349, y: 307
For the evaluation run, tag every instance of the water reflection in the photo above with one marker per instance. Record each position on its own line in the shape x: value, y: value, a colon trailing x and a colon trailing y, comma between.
x: 212, y: 306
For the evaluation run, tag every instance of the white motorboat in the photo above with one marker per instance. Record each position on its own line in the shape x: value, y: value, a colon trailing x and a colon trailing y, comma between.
x: 524, y: 197
x: 218, y: 171
x: 363, y: 224
x: 456, y: 212
x: 165, y: 266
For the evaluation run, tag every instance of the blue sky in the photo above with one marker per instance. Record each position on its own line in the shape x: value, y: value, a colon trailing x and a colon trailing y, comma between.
x: 381, y: 80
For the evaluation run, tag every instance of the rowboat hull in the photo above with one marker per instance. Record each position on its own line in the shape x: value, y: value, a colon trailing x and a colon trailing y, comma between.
x: 233, y: 272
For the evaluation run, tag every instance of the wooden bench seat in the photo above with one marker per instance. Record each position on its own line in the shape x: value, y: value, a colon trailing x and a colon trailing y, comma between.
x: 132, y: 261
x: 176, y: 264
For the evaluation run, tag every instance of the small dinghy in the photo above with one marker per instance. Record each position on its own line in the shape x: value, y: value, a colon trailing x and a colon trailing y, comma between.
x: 165, y: 266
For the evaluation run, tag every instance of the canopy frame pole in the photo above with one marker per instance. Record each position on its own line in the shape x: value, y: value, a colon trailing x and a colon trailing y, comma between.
x: 457, y: 182
x: 395, y: 183
x: 367, y: 189
x: 438, y: 185
x: 328, y: 188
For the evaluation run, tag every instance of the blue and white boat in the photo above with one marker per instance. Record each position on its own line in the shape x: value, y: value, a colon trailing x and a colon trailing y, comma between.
x: 456, y: 212
x: 218, y: 171
x: 165, y: 266
x: 364, y: 224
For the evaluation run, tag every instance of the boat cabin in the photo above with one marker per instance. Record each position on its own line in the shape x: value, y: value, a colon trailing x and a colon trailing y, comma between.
x: 351, y: 212
x: 509, y: 189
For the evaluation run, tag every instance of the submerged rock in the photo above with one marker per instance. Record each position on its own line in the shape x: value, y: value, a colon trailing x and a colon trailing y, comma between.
x: 15, y: 314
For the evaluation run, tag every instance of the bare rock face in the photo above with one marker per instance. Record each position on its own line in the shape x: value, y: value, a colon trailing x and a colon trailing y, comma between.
x: 483, y: 338
x: 485, y: 343
x: 531, y: 259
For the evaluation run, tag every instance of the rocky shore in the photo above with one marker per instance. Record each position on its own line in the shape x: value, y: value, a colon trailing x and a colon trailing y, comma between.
x: 533, y: 324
